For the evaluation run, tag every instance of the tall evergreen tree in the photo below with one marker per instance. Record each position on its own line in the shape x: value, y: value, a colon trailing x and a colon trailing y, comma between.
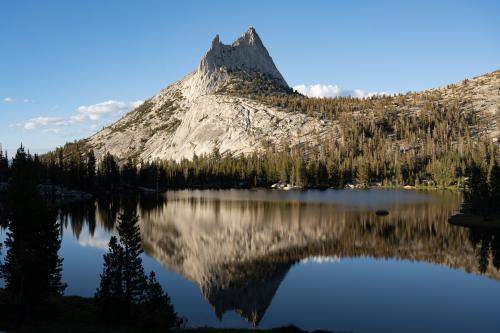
x: 90, y: 171
x: 363, y: 175
x: 476, y: 194
x: 4, y: 165
x: 158, y: 311
x: 494, y: 188
x: 32, y: 267
x: 108, y: 172
x: 111, y: 279
x: 125, y: 289
x: 134, y: 279
x: 129, y: 174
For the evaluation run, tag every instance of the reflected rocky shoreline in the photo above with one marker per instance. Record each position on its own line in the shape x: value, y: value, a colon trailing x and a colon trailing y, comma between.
x: 238, y: 249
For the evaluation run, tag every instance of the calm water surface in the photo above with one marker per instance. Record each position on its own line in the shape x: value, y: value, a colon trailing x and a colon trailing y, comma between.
x: 317, y: 259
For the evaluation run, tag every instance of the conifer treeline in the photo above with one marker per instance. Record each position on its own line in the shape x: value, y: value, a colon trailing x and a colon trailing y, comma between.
x: 4, y: 165
x: 412, y: 139
x: 330, y: 164
x: 482, y: 193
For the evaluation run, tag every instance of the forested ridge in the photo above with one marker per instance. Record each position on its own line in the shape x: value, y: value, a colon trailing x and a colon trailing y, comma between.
x: 432, y: 138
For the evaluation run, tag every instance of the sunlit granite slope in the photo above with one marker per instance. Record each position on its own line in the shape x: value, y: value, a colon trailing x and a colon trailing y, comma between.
x: 198, y: 114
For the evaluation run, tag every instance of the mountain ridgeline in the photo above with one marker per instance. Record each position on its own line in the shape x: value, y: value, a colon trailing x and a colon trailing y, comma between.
x: 201, y: 112
x: 235, y: 116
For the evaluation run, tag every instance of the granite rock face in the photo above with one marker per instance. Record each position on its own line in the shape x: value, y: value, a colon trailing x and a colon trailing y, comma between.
x: 191, y: 116
x: 247, y: 53
x: 214, y: 108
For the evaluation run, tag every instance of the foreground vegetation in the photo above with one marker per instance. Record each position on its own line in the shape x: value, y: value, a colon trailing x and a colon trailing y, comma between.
x: 285, y: 329
x: 32, y: 268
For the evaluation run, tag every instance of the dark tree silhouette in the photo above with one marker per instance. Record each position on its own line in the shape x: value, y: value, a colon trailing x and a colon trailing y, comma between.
x: 134, y: 279
x: 110, y: 296
x: 90, y: 170
x: 482, y: 193
x: 495, y: 250
x: 158, y: 310
x: 108, y: 172
x: 129, y: 174
x: 111, y: 288
x: 32, y: 267
x: 125, y: 293
x: 4, y: 165
x: 494, y: 188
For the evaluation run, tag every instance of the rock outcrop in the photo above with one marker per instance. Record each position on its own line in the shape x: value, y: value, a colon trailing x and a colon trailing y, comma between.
x: 192, y: 116
x: 214, y: 107
x: 247, y: 53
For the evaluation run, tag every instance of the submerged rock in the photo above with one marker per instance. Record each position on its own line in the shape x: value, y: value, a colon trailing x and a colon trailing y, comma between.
x: 382, y: 212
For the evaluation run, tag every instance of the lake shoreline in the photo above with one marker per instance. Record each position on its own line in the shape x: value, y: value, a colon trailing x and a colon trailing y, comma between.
x: 78, y: 314
x: 243, y: 256
x: 469, y: 220
x: 62, y: 195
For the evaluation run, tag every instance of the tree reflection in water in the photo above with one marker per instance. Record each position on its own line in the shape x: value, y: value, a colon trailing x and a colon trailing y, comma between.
x: 239, y: 250
x: 487, y: 246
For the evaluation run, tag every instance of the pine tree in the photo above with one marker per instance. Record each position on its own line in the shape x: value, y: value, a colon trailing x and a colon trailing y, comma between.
x: 125, y: 293
x: 108, y: 172
x: 111, y: 289
x: 494, y: 189
x: 123, y: 278
x: 158, y: 310
x: 129, y: 174
x: 476, y: 194
x: 4, y: 165
x: 32, y: 267
x: 90, y: 171
x: 363, y: 175
x: 134, y: 279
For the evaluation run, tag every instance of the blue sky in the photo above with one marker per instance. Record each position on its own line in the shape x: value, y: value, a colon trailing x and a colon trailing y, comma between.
x: 67, y: 68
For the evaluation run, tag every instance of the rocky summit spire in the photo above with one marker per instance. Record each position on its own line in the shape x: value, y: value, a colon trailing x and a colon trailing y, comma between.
x: 213, y: 107
x: 250, y: 37
x: 247, y: 53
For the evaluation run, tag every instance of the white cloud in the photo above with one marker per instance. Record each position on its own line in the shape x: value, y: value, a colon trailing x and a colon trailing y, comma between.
x: 107, y: 108
x: 44, y: 121
x: 13, y: 100
x: 51, y: 130
x: 329, y: 90
x: 87, y: 117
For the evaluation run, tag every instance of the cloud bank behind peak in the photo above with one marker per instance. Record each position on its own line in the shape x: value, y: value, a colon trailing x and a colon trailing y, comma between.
x: 333, y: 90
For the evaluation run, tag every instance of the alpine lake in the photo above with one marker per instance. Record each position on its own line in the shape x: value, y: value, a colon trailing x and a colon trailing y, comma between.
x: 318, y: 259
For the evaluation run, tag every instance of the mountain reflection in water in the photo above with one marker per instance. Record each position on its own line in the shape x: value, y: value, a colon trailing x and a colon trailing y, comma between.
x: 238, y: 246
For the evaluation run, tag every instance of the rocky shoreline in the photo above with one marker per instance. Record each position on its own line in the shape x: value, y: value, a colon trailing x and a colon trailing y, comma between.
x: 58, y: 194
